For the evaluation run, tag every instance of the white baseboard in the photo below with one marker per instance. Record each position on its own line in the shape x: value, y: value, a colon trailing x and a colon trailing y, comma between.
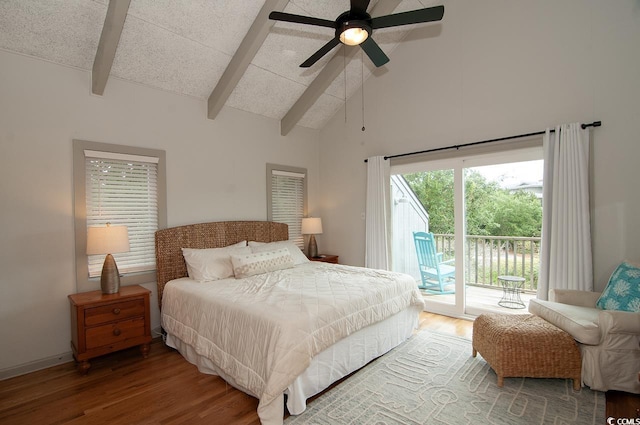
x: 35, y: 365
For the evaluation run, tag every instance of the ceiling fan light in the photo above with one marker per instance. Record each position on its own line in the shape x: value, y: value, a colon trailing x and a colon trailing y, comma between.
x: 354, y: 33
x: 353, y: 36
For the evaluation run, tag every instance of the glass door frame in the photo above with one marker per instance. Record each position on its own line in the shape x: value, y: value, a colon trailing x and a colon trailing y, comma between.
x: 458, y: 164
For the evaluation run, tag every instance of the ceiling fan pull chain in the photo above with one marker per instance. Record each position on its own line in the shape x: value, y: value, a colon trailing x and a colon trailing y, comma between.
x: 344, y: 65
x: 362, y: 78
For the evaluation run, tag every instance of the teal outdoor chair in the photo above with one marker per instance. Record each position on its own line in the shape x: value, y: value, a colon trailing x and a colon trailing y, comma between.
x: 435, y: 273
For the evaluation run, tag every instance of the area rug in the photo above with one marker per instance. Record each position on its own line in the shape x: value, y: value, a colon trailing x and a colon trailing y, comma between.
x: 433, y: 379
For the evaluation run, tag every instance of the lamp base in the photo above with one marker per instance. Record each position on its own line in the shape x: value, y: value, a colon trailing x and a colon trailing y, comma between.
x: 313, y: 247
x: 110, y: 278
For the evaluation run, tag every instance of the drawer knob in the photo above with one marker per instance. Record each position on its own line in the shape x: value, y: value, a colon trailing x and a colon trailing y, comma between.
x: 116, y: 311
x: 116, y: 332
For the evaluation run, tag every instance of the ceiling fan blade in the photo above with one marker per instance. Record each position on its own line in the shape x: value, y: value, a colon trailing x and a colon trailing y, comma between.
x: 299, y: 19
x: 429, y: 14
x: 359, y: 6
x: 374, y: 52
x: 320, y: 53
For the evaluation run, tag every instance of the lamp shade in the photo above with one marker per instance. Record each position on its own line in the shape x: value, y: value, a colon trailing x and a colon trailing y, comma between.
x: 311, y: 226
x: 107, y: 240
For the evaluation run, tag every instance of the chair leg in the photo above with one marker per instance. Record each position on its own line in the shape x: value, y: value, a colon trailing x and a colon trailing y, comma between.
x: 435, y: 287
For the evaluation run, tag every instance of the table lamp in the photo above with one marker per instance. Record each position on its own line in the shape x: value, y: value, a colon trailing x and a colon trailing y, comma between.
x: 312, y: 226
x: 108, y: 240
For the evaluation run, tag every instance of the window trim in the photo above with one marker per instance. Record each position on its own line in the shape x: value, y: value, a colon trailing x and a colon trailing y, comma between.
x: 83, y: 281
x: 285, y: 169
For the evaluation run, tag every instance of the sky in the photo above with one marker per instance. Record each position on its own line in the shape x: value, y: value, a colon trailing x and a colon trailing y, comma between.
x: 513, y: 173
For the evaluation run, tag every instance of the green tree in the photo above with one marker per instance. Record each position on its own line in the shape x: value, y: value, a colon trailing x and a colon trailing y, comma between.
x: 490, y: 210
x: 435, y: 191
x: 517, y: 214
x: 480, y: 204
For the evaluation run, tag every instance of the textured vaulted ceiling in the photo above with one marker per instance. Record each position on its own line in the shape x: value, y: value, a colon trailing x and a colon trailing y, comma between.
x: 185, y: 46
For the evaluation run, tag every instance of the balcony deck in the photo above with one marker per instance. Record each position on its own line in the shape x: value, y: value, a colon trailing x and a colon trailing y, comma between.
x: 485, y: 298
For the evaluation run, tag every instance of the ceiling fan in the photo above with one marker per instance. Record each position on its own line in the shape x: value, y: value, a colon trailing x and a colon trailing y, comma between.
x: 355, y: 26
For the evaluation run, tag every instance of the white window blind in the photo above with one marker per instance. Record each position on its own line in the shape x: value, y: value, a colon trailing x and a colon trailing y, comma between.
x: 123, y: 190
x: 287, y: 202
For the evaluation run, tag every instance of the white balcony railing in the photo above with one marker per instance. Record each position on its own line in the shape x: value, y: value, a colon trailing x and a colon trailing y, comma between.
x: 487, y: 257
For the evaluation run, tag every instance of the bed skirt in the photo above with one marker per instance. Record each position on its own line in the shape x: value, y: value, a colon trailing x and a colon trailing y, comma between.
x: 330, y: 365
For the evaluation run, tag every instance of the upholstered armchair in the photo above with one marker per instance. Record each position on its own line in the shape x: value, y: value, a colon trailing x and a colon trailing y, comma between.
x: 609, y: 340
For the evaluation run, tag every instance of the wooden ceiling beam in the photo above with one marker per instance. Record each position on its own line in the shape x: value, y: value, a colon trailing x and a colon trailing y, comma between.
x: 109, y: 39
x: 326, y: 76
x: 244, y: 55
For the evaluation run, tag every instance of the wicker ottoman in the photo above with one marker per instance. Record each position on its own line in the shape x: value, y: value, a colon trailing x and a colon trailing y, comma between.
x: 524, y: 345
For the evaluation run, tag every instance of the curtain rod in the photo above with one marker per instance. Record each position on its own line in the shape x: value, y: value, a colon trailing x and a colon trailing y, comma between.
x: 519, y: 136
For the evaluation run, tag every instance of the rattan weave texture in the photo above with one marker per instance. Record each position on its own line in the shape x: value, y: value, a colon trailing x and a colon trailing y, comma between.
x: 169, y: 243
x: 524, y: 345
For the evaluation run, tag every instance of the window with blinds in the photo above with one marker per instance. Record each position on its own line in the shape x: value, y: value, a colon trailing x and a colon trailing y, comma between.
x: 287, y: 193
x: 123, y: 190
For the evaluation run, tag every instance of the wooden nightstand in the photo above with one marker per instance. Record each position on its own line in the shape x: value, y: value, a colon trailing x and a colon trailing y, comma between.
x: 104, y: 323
x: 325, y: 258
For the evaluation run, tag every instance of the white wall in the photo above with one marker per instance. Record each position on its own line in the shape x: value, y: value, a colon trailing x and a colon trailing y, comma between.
x: 215, y: 171
x: 492, y: 69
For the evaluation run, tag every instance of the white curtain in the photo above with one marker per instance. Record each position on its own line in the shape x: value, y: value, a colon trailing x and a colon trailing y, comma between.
x: 565, y: 257
x: 377, y: 211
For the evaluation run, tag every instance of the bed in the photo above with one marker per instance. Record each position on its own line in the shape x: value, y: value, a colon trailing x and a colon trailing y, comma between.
x: 280, y: 325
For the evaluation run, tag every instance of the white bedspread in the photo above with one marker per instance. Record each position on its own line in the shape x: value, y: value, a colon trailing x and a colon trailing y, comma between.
x: 263, y: 330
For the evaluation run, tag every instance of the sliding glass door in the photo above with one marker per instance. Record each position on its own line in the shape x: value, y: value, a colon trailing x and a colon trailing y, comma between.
x: 423, y: 201
x: 503, y: 221
x: 485, y: 214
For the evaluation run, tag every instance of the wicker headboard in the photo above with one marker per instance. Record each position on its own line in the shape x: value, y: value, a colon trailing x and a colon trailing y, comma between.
x: 169, y: 243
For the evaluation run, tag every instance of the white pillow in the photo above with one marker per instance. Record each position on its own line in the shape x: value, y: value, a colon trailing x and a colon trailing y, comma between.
x: 297, y: 255
x: 209, y: 264
x: 246, y: 265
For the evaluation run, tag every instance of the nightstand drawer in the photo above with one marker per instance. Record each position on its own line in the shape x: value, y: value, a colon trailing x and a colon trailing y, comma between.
x: 116, y: 311
x: 115, y: 332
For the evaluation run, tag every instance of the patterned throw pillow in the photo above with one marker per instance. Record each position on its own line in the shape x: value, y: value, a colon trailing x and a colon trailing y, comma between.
x: 623, y: 290
x: 261, y: 262
x: 297, y: 255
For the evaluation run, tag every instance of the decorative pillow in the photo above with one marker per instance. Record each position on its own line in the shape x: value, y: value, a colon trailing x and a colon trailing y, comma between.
x: 297, y: 255
x: 261, y: 262
x: 209, y: 264
x: 623, y: 290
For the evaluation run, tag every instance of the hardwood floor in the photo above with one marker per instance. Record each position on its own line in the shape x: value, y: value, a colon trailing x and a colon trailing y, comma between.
x: 445, y: 324
x: 122, y: 388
